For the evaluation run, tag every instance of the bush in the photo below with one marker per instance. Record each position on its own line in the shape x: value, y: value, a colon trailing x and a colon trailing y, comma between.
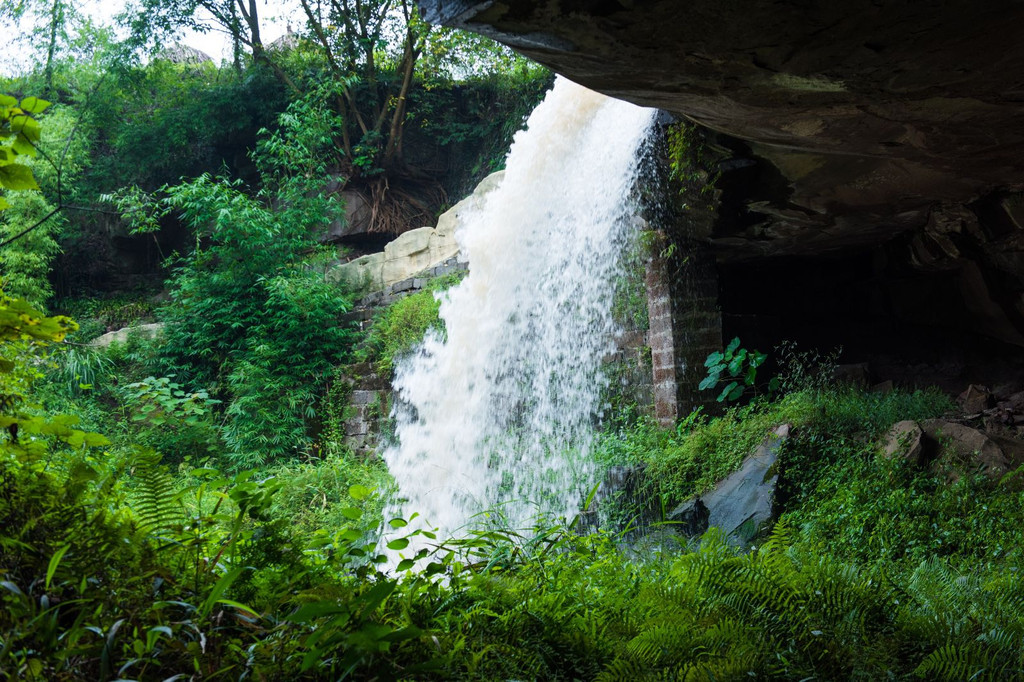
x: 402, y: 325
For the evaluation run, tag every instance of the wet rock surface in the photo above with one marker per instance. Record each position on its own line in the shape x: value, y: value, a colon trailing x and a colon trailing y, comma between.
x: 742, y: 504
x: 836, y: 128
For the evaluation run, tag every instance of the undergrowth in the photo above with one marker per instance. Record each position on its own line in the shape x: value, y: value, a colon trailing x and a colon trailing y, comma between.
x: 401, y: 326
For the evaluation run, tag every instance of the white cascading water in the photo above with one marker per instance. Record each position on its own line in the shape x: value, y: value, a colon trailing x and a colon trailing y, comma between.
x: 500, y: 415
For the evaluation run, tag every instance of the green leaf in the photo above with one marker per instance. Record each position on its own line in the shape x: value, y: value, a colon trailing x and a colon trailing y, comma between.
x: 727, y: 391
x: 359, y: 492
x: 218, y: 589
x: 23, y: 146
x: 713, y: 359
x: 17, y: 176
x: 736, y: 365
x: 399, y: 544
x: 736, y: 392
x: 317, y: 609
x: 34, y: 105
x: 8, y: 101
x: 398, y: 523
x: 709, y: 382
x: 27, y: 126
x: 353, y: 513
x: 54, y: 562
x: 733, y: 345
x: 405, y: 565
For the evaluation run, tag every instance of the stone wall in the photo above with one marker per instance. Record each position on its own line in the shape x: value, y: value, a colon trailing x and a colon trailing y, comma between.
x: 366, y: 417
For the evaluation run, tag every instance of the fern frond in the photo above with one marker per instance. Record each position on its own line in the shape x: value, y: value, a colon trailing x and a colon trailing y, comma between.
x: 156, y: 504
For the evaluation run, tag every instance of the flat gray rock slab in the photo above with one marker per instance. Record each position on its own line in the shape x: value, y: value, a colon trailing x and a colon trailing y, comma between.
x: 741, y: 504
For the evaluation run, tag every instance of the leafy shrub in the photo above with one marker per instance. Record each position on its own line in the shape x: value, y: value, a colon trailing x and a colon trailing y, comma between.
x: 170, y: 420
x: 738, y: 367
x: 251, y: 319
x: 402, y: 325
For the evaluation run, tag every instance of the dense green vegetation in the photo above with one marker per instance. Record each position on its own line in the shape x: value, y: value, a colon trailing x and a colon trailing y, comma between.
x: 186, y: 506
x: 272, y: 575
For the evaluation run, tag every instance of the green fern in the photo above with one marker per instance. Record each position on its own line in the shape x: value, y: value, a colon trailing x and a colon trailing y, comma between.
x: 156, y: 504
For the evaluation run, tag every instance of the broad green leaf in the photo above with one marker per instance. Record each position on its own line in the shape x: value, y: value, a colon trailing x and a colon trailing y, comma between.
x: 34, y: 105
x: 737, y: 363
x: 709, y: 382
x: 8, y: 101
x: 359, y: 492
x: 353, y: 513
x: 27, y: 126
x: 713, y: 359
x: 398, y: 523
x: 733, y: 345
x: 23, y: 146
x: 727, y: 391
x: 398, y: 545
x: 350, y: 535
x: 17, y: 176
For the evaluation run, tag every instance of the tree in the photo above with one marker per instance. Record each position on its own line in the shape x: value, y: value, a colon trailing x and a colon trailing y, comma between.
x: 356, y: 37
x: 153, y: 21
x: 54, y: 26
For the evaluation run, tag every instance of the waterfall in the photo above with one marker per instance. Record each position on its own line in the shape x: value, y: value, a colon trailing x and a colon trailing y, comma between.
x: 498, y: 414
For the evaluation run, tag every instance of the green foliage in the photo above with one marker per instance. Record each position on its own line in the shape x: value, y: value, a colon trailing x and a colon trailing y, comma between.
x: 174, y: 422
x: 315, y: 495
x: 273, y: 576
x: 863, y: 508
x: 738, y: 367
x: 400, y: 327
x: 78, y: 368
x: 30, y: 221
x: 690, y: 160
x: 686, y: 462
x: 805, y: 370
x: 629, y: 304
x: 20, y: 132
x: 250, y: 316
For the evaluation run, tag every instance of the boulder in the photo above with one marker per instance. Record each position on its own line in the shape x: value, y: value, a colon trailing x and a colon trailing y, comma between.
x: 363, y: 273
x: 904, y: 440
x: 967, y: 448
x: 415, y: 251
x: 741, y: 504
x: 975, y: 399
x: 148, y: 331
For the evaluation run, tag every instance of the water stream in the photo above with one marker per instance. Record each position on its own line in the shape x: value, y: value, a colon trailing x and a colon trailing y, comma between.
x: 499, y: 416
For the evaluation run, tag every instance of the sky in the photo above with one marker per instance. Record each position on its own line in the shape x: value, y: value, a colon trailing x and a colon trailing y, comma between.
x: 274, y: 23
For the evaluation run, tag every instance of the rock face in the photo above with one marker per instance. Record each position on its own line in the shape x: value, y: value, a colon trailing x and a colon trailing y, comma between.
x: 954, y: 448
x: 838, y: 127
x: 862, y: 106
x: 742, y: 504
x: 148, y: 331
x: 416, y: 250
